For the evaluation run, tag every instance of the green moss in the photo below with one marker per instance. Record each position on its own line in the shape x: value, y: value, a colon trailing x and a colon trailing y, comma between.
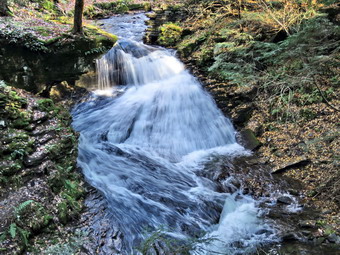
x: 20, y: 123
x: 102, y: 39
x: 170, y: 34
x: 11, y: 169
x: 48, y: 5
x: 45, y: 105
x: 147, y: 6
x: 12, y: 106
x: 136, y: 6
x: 65, y: 146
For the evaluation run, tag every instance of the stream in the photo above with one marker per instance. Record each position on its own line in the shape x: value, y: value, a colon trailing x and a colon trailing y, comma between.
x: 147, y: 133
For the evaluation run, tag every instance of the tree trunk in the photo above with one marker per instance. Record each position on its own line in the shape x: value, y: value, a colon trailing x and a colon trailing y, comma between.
x: 4, y: 10
x: 78, y: 17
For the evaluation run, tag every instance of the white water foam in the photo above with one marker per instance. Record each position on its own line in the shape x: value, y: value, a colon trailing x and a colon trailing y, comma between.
x: 240, y: 229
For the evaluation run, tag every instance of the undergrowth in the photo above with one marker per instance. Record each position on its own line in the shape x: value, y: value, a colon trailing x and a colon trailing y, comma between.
x: 292, y: 57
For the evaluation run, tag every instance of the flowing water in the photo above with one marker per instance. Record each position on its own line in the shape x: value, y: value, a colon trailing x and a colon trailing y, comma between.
x: 145, y: 134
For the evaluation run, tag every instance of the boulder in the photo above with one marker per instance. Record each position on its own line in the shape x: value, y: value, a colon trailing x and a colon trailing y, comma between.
x: 248, y: 139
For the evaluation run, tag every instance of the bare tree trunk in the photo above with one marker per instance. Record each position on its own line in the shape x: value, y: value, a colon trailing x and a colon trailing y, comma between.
x: 4, y: 10
x: 78, y: 17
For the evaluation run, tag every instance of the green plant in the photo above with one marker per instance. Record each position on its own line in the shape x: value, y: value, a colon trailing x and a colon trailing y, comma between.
x: 21, y: 207
x: 45, y: 105
x: 48, y: 5
x: 18, y: 154
x: 14, y: 232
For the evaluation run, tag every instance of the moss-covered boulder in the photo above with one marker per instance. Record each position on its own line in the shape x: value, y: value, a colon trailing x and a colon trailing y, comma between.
x: 170, y: 34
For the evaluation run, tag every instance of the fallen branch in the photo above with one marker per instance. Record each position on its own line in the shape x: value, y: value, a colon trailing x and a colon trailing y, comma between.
x: 323, y: 96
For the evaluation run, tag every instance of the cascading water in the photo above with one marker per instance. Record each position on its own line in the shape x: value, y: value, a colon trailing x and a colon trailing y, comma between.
x: 142, y: 149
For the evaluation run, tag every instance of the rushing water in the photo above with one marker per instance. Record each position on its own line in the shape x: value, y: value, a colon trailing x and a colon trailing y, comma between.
x: 144, y: 136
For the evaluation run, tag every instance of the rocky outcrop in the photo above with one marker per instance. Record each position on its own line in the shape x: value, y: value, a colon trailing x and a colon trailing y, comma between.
x: 41, y: 188
x: 37, y: 71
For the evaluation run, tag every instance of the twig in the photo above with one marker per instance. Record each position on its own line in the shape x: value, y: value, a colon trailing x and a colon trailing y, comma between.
x: 323, y: 96
x: 273, y: 17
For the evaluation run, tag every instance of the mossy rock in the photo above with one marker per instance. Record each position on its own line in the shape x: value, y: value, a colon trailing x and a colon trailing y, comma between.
x: 249, y: 140
x: 53, y: 179
x: 170, y: 34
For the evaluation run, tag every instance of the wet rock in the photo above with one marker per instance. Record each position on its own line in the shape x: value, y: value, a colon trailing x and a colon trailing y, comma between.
x: 293, y: 192
x: 46, y: 137
x: 298, y: 162
x: 319, y: 240
x: 64, y: 61
x: 307, y: 233
x: 290, y: 236
x: 248, y: 139
x: 307, y: 224
x: 266, y: 232
x: 35, y: 159
x: 333, y: 238
x: 284, y: 200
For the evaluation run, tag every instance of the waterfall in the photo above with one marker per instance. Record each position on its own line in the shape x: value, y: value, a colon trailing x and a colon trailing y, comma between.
x: 143, y: 147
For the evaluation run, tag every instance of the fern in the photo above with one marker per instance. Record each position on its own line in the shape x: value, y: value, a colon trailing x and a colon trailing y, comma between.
x: 3, y: 237
x: 22, y: 206
x: 13, y: 230
x: 24, y: 235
